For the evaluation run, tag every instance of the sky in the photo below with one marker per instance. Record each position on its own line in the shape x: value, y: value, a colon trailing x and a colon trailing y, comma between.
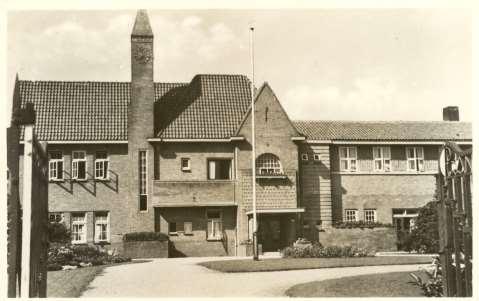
x: 336, y: 64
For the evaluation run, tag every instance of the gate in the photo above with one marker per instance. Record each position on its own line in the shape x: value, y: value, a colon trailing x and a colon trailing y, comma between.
x: 455, y: 220
x: 27, y: 234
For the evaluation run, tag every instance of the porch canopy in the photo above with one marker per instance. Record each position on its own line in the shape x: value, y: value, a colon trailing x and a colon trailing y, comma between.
x: 277, y: 210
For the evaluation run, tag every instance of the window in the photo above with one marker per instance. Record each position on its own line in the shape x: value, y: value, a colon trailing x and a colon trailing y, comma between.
x: 304, y: 157
x: 188, y: 228
x: 415, y: 158
x: 347, y: 158
x: 143, y: 187
x: 101, y: 166
x: 55, y: 166
x: 370, y: 215
x: 316, y: 157
x: 55, y: 217
x: 382, y: 158
x: 185, y: 164
x: 172, y: 228
x: 78, y: 228
x: 214, y: 224
x: 268, y: 164
x: 79, y: 165
x: 219, y: 169
x: 102, y: 231
x: 350, y: 215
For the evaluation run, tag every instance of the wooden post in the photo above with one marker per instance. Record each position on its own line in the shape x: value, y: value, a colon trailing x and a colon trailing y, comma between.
x: 27, y: 210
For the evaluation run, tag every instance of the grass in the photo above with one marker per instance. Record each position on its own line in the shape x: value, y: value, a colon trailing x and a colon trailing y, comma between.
x: 398, y: 284
x: 284, y: 264
x: 72, y: 283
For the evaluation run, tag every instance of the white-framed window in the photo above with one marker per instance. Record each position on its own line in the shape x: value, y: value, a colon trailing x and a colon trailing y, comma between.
x: 55, y: 166
x: 214, y: 224
x: 219, y: 169
x: 415, y: 158
x: 351, y: 215
x: 143, y: 176
x: 348, y: 158
x: 102, y: 226
x: 79, y: 165
x: 304, y: 157
x: 55, y: 217
x: 268, y: 164
x: 316, y: 157
x: 185, y: 164
x: 370, y: 215
x: 78, y: 228
x: 101, y: 165
x: 382, y: 158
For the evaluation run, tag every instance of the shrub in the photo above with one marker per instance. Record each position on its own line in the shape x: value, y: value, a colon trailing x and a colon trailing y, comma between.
x: 145, y: 236
x: 318, y: 251
x: 54, y: 267
x: 424, y: 238
x: 58, y: 233
x: 76, y: 255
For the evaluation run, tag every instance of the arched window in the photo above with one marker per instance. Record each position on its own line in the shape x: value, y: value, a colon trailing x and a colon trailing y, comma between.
x: 268, y: 164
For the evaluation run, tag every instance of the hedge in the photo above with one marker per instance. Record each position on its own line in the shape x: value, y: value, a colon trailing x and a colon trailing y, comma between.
x: 360, y: 224
x: 145, y: 236
x: 318, y: 251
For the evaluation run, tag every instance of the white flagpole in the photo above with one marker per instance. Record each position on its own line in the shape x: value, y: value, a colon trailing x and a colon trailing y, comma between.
x: 253, y: 150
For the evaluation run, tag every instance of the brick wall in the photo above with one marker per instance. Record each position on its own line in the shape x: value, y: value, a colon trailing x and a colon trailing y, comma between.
x: 381, y: 192
x: 198, y: 240
x: 316, y: 184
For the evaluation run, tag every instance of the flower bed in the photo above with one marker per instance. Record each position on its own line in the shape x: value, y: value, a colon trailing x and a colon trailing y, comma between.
x: 318, y: 251
x: 360, y: 224
x: 77, y: 256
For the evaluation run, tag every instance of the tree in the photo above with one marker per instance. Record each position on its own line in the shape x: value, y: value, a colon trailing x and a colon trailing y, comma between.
x: 58, y: 233
x: 424, y: 237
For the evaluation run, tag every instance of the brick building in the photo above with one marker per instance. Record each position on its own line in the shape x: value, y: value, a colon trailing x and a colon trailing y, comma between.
x: 176, y: 158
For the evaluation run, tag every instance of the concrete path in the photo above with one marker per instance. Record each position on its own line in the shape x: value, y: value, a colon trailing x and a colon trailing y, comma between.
x: 182, y: 277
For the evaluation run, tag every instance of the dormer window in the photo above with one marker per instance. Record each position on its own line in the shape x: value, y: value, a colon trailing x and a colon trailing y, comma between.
x: 268, y: 165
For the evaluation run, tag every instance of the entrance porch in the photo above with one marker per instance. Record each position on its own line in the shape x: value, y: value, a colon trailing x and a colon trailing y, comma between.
x: 277, y: 228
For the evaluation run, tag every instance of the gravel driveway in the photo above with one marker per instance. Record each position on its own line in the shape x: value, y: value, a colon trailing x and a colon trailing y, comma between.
x: 182, y: 277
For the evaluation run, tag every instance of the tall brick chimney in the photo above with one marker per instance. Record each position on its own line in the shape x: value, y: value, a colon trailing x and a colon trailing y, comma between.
x: 450, y: 113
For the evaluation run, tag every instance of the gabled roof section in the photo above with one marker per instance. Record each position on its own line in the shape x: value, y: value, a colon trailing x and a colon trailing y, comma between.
x: 257, y: 94
x: 210, y: 107
x: 385, y: 130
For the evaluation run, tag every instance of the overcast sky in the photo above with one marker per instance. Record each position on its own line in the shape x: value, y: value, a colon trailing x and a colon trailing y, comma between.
x: 322, y: 64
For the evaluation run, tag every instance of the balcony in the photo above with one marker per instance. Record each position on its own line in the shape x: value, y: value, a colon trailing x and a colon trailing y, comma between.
x: 193, y: 193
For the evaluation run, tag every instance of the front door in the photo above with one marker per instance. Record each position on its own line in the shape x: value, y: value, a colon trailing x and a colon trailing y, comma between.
x: 270, y: 233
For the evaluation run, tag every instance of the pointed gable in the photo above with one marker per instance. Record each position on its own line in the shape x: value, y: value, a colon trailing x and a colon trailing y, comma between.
x: 270, y: 116
x: 142, y: 24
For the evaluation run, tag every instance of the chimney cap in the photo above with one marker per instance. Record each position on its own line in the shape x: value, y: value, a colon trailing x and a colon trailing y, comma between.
x: 450, y: 113
x: 142, y: 24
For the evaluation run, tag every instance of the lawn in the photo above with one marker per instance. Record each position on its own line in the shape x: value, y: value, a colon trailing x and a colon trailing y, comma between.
x: 398, y: 284
x: 284, y: 264
x: 71, y: 283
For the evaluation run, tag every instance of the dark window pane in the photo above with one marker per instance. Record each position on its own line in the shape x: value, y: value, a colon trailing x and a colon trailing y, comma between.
x: 172, y: 227
x: 143, y: 202
x: 59, y: 170
x: 81, y: 170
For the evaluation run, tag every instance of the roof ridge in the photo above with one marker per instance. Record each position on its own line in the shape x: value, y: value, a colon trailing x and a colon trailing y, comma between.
x: 380, y: 121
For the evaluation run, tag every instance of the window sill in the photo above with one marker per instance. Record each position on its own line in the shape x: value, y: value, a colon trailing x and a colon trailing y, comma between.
x: 271, y: 177
x: 213, y: 239
x: 79, y: 180
x: 102, y: 180
x: 173, y: 233
x: 79, y: 242
x: 102, y: 242
x: 56, y: 181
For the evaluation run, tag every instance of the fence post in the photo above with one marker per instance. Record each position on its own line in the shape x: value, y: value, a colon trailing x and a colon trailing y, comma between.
x: 27, y: 210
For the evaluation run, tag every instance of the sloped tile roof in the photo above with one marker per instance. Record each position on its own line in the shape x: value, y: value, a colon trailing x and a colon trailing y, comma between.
x: 78, y: 110
x: 210, y: 107
x: 385, y: 130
